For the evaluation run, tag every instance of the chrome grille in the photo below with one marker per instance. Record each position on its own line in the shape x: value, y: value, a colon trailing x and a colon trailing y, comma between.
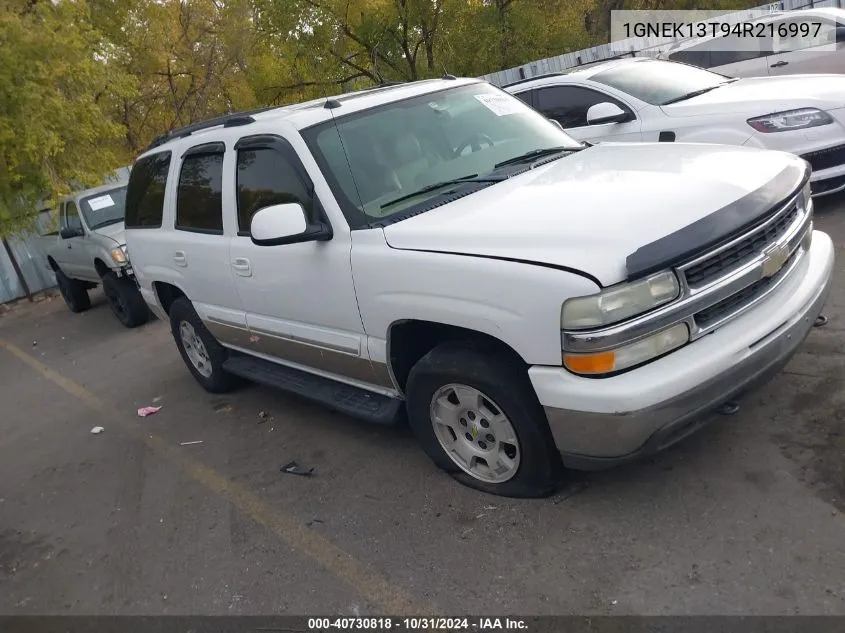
x: 715, y: 313
x: 740, y: 252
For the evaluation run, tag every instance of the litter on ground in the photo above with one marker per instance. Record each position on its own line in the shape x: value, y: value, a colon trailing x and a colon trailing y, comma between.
x: 97, y: 430
x: 145, y: 411
x: 292, y: 468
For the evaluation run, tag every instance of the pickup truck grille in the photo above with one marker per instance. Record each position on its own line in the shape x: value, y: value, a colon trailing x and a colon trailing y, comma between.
x: 741, y: 252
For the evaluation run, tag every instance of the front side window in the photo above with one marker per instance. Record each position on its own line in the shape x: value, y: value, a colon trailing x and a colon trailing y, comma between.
x: 266, y: 177
x: 199, y: 197
x: 145, y: 192
x: 71, y: 216
x: 659, y: 82
x: 379, y: 161
x: 724, y: 50
x: 104, y: 208
x: 569, y: 104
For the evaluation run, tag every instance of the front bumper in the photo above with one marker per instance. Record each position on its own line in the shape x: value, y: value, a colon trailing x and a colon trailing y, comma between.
x: 600, y: 423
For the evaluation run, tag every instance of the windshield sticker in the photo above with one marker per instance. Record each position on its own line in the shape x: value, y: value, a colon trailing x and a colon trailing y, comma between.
x: 100, y: 202
x: 501, y: 105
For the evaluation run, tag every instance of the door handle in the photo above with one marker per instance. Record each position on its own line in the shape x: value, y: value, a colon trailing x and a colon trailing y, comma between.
x: 179, y: 259
x: 242, y: 266
x: 779, y: 64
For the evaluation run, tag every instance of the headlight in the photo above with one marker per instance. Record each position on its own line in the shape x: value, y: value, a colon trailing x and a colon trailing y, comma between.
x: 619, y: 303
x: 118, y: 255
x: 790, y: 120
x: 629, y: 355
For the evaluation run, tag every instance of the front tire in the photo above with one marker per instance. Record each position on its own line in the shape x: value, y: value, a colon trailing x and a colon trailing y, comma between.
x: 475, y: 414
x: 125, y: 300
x: 201, y: 352
x: 73, y: 292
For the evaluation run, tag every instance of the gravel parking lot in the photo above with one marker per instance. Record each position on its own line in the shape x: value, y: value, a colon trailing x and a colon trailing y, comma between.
x: 745, y: 517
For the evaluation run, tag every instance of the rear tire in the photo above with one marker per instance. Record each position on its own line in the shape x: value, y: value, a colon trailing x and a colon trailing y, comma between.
x: 125, y: 300
x: 73, y: 292
x: 475, y: 414
x: 201, y: 352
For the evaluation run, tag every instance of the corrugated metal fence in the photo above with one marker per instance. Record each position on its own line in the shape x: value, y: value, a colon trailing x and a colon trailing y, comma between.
x: 30, y: 259
x: 643, y: 46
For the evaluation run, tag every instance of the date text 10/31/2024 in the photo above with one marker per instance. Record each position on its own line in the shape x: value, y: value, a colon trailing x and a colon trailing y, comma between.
x: 417, y: 624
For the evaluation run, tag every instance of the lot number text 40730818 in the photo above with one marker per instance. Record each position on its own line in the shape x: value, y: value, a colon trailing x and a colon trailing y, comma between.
x: 417, y: 624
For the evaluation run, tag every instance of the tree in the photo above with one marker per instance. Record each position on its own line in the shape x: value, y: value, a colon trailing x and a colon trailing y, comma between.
x: 55, y: 132
x: 598, y: 19
x: 190, y: 60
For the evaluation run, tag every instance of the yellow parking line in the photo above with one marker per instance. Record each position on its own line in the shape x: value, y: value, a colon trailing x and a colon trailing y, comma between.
x: 363, y: 578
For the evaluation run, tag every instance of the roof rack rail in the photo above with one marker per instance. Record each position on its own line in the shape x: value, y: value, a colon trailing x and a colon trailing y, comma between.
x: 227, y: 120
x: 527, y: 79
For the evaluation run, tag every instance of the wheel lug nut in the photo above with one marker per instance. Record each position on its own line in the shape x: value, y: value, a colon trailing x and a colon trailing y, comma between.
x: 469, y: 437
x: 482, y: 445
x: 471, y: 415
x: 490, y: 438
x: 485, y: 424
x: 463, y: 422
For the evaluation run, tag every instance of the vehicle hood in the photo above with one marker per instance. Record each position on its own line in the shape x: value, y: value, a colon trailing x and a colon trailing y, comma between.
x: 764, y: 95
x: 113, y: 231
x: 591, y: 210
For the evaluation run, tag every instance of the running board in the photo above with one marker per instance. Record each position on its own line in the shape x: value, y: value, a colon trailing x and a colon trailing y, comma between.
x: 352, y: 401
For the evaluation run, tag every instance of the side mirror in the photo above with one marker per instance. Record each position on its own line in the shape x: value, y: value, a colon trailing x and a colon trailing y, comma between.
x: 557, y: 123
x: 285, y: 224
x: 68, y: 233
x: 606, y: 113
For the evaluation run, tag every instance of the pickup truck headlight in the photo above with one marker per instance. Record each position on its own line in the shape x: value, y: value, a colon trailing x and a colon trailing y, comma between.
x: 619, y: 302
x: 118, y: 255
x: 790, y: 120
x: 630, y: 355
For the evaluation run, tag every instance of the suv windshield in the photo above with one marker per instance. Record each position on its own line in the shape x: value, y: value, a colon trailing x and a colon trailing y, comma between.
x: 104, y: 208
x: 388, y: 161
x: 660, y: 82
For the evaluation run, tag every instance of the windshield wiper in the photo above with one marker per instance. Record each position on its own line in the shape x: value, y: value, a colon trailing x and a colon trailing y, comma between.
x: 695, y: 93
x: 106, y: 223
x: 536, y: 153
x: 439, y: 185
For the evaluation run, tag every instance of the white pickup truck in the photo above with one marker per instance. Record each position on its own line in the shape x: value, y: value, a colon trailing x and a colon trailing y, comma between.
x: 441, y: 249
x: 89, y: 249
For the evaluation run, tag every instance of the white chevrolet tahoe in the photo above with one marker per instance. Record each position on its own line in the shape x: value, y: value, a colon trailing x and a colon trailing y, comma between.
x: 89, y: 249
x: 441, y: 249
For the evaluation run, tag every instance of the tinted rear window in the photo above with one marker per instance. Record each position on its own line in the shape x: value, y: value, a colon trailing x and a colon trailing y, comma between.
x: 199, y: 204
x: 145, y: 191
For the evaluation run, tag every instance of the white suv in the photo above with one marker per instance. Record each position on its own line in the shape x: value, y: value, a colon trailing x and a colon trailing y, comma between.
x: 810, y: 41
x: 441, y: 248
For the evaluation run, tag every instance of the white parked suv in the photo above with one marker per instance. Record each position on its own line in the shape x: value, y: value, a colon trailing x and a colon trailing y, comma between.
x: 785, y: 43
x: 644, y: 99
x: 440, y: 248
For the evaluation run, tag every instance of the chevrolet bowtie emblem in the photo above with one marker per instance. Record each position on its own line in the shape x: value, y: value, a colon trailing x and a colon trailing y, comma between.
x: 774, y: 258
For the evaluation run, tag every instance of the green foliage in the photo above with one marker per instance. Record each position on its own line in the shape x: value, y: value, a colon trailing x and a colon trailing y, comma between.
x: 55, y: 130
